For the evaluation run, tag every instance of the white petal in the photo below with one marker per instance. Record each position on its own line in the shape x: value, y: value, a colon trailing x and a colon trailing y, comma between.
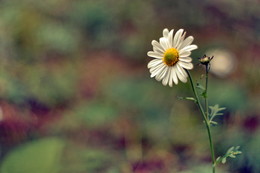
x: 166, y: 77
x: 154, y: 63
x: 157, y: 47
x: 170, y: 38
x: 165, y: 32
x: 164, y: 44
x: 181, y: 70
x: 156, y: 71
x: 181, y: 40
x: 155, y: 68
x: 171, y: 76
x: 186, y: 65
x: 159, y: 76
x: 174, y: 77
x: 170, y: 81
x: 155, y: 54
x: 177, y: 37
x: 184, y: 53
x: 186, y: 42
x: 189, y: 48
x: 181, y: 77
x: 185, y: 59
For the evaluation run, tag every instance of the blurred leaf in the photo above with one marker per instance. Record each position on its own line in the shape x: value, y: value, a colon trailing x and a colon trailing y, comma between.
x: 96, y: 159
x: 42, y: 156
x: 95, y: 113
x: 51, y: 87
x: 228, y: 94
x: 97, y: 21
x: 202, y: 169
x: 202, y: 90
x: 12, y: 89
x: 57, y: 36
x: 215, y: 111
x: 89, y: 159
x: 232, y: 152
x: 251, y: 155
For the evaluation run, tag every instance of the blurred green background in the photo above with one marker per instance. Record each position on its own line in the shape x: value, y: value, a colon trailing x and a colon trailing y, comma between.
x: 76, y: 96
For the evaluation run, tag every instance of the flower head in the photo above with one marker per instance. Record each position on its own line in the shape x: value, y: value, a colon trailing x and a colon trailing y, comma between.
x: 171, y: 55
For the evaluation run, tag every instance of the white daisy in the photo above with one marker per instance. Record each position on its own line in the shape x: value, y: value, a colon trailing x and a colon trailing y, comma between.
x: 171, y: 57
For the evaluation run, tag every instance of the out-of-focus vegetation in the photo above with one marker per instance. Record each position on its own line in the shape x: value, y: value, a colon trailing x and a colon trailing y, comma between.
x: 75, y: 94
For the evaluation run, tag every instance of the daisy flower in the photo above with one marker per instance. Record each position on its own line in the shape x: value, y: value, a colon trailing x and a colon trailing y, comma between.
x: 171, y: 55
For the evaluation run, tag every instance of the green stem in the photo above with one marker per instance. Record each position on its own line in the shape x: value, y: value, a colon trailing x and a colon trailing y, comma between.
x: 206, y: 122
x: 206, y: 94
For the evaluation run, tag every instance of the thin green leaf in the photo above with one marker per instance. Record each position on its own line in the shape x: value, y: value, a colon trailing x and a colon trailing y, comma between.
x: 215, y: 111
x: 202, y: 90
x: 232, y: 152
x: 199, y: 86
x: 188, y: 98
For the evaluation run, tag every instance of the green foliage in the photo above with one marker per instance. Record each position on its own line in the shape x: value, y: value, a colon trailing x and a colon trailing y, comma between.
x: 55, y: 36
x: 50, y: 87
x: 89, y: 159
x: 96, y: 160
x: 95, y: 114
x: 252, y: 152
x: 147, y: 106
x: 228, y: 94
x: 12, y: 89
x: 215, y: 111
x: 202, y: 90
x: 202, y: 169
x: 42, y: 156
x: 232, y: 152
x: 97, y: 22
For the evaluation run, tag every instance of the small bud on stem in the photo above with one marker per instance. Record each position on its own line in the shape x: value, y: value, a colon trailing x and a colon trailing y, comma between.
x: 205, y: 60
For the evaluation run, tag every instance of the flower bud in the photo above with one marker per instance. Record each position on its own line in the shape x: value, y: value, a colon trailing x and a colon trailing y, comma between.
x: 205, y: 60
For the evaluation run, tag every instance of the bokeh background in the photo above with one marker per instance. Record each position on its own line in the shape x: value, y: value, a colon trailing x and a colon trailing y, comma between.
x: 76, y: 96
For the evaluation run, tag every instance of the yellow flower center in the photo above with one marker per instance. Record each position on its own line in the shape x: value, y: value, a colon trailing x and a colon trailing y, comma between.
x: 171, y: 56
